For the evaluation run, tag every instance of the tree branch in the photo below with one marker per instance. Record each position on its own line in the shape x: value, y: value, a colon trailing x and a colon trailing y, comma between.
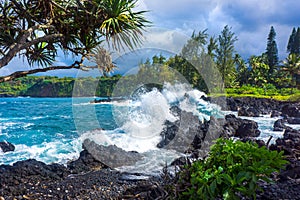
x: 19, y: 74
x: 23, y: 44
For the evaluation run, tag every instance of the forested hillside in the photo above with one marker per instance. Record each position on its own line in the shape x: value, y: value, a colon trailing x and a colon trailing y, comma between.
x: 47, y: 86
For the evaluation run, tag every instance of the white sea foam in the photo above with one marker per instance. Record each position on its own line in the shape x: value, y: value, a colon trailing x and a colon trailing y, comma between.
x: 141, y: 121
x: 58, y: 151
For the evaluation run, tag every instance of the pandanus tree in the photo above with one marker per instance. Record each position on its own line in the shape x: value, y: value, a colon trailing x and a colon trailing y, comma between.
x: 292, y: 66
x: 37, y: 30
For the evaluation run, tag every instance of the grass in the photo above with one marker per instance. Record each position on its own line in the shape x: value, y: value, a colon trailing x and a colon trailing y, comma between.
x: 268, y: 91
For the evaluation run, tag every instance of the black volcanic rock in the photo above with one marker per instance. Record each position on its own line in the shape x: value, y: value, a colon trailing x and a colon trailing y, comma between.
x: 290, y: 145
x: 6, y: 146
x: 111, y: 156
x: 248, y: 112
x: 291, y: 110
x: 168, y: 133
x: 293, y: 120
x: 180, y: 134
x: 279, y: 125
x: 85, y: 162
x: 238, y: 127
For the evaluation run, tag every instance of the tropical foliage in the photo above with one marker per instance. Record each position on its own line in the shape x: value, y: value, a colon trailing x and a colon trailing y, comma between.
x: 233, y: 168
x: 38, y: 30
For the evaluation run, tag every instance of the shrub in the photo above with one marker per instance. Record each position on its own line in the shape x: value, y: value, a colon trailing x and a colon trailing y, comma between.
x: 232, y: 168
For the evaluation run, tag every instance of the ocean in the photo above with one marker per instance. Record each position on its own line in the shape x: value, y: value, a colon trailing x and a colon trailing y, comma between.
x: 53, y: 129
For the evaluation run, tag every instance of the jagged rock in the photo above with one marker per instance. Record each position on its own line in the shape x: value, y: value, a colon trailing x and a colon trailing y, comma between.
x: 248, y: 128
x: 186, y: 129
x: 31, y: 171
x: 85, y: 162
x: 279, y: 125
x: 293, y: 120
x: 168, y: 133
x: 233, y: 104
x: 291, y: 172
x: 175, y: 110
x: 111, y: 155
x: 291, y: 110
x: 290, y: 145
x: 239, y: 127
x: 275, y: 113
x: 248, y: 112
x: 6, y: 146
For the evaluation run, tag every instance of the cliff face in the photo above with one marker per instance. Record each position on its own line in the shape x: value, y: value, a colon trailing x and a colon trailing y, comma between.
x: 49, y: 89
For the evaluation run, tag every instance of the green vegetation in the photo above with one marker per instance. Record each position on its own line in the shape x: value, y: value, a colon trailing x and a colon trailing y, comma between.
x: 266, y: 91
x: 46, y: 86
x: 204, y: 57
x: 233, y: 168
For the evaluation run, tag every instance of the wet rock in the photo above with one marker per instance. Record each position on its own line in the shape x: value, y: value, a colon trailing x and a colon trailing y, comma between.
x: 185, y: 131
x: 239, y: 127
x: 111, y: 155
x: 291, y: 110
x: 175, y: 110
x: 86, y: 162
x: 233, y: 104
x: 275, y: 113
x: 279, y: 125
x: 248, y: 128
x: 6, y: 146
x: 264, y: 106
x: 248, y: 112
x: 293, y: 120
x: 168, y: 133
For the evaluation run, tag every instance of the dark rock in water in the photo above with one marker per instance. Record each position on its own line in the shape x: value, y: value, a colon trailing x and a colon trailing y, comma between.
x: 181, y: 161
x: 291, y: 110
x: 239, y: 127
x: 184, y: 130
x: 168, y: 133
x: 111, y: 155
x: 6, y: 146
x: 293, y: 120
x: 292, y: 134
x: 248, y: 112
x: 85, y: 162
x: 275, y: 113
x: 279, y: 125
x: 264, y: 106
x: 248, y: 128
x: 109, y: 99
x: 175, y: 110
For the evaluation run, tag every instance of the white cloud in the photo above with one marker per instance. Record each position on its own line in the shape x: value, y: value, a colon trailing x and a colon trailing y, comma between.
x: 167, y: 40
x: 250, y: 20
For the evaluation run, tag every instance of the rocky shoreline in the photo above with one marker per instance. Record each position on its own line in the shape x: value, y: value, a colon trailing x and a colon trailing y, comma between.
x: 92, y: 176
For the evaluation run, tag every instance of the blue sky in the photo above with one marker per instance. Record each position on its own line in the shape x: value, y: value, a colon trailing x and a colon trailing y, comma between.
x: 175, y: 20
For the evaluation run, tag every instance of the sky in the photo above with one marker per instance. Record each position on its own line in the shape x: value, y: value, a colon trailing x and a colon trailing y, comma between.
x: 173, y: 22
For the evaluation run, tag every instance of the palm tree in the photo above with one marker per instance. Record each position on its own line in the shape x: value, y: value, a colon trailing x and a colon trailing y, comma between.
x: 259, y: 70
x: 292, y: 66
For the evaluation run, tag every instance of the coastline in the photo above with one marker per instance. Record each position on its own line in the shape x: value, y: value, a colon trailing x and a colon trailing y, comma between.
x: 87, y: 178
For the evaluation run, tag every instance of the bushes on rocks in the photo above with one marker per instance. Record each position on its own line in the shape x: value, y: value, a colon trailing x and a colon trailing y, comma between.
x: 232, y: 169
